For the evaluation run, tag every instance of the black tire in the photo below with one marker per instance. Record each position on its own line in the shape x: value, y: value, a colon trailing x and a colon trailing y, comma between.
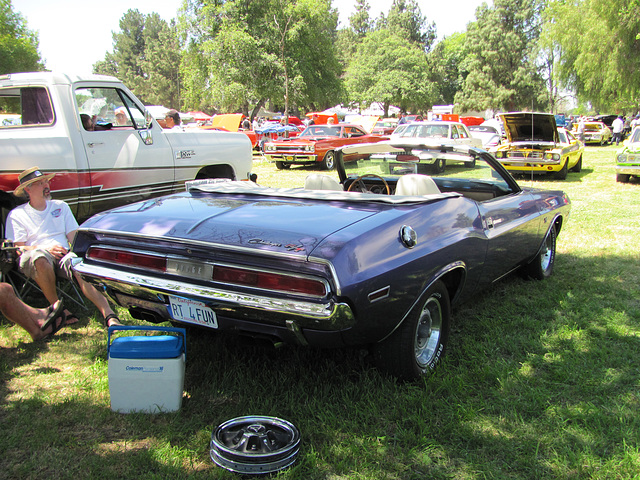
x: 578, y: 166
x: 329, y: 161
x: 622, y: 177
x: 562, y: 173
x: 439, y: 165
x: 470, y: 164
x: 417, y: 345
x: 542, y: 266
x: 281, y: 165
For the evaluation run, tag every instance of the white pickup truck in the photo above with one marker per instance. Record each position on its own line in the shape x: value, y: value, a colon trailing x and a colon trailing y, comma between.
x: 104, y: 147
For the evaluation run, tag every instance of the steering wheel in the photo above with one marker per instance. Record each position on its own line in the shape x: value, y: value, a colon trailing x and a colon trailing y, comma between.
x: 363, y: 187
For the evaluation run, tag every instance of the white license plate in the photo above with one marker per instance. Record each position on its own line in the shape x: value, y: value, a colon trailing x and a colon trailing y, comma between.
x: 190, y: 311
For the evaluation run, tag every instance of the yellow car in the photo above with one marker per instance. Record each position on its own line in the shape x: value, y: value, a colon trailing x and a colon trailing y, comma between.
x: 594, y: 132
x: 535, y: 145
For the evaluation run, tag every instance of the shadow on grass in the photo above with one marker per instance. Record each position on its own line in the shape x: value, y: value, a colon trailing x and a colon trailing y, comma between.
x: 540, y: 381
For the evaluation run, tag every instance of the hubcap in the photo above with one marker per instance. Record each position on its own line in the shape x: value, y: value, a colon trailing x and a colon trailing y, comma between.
x: 428, y: 332
x: 547, y: 254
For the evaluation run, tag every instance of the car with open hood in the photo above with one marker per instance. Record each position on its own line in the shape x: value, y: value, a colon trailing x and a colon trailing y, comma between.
x: 317, y: 145
x: 535, y: 145
x: 628, y: 158
x: 374, y: 254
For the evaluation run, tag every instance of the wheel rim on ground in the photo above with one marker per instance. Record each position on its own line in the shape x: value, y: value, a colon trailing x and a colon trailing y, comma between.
x: 546, y: 256
x: 255, y: 444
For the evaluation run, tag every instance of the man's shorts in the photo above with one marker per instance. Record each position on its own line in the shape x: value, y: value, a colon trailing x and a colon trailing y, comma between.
x: 62, y: 267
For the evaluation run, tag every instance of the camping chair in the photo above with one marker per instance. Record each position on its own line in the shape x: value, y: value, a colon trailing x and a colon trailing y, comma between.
x: 24, y: 285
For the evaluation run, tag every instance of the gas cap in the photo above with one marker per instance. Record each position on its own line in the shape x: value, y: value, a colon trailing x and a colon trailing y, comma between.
x: 408, y: 236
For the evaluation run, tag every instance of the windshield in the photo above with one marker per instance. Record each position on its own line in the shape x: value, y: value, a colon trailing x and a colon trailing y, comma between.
x: 447, y: 168
x: 425, y: 131
x: 321, y: 131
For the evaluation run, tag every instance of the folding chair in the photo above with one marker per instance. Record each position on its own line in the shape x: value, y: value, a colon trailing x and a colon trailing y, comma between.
x: 24, y: 285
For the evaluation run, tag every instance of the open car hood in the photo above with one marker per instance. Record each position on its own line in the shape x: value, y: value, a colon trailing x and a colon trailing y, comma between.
x: 530, y: 127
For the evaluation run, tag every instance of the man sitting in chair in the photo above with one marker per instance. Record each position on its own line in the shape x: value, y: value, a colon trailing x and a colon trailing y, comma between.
x: 44, y: 228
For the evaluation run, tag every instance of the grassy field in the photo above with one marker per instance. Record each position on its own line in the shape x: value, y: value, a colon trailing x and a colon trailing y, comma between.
x: 541, y: 380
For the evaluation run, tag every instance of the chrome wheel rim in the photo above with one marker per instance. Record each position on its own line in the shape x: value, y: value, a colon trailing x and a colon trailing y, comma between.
x: 255, y: 444
x: 546, y: 256
x: 428, y: 332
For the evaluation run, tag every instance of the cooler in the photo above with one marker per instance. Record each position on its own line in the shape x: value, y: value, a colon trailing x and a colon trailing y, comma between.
x: 146, y: 373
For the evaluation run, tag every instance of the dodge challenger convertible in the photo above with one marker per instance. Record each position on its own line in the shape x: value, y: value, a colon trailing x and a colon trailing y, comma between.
x: 374, y: 255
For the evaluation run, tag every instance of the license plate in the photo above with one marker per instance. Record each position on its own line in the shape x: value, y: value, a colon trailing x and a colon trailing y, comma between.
x: 290, y: 158
x: 191, y: 311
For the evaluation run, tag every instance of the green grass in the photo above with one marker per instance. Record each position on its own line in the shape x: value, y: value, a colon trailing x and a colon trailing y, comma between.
x: 541, y: 380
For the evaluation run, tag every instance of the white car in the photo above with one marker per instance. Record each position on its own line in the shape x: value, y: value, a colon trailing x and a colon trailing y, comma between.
x: 489, y: 135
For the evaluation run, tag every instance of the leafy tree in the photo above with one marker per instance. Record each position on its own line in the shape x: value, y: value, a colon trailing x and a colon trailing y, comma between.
x: 597, y: 44
x: 406, y: 21
x: 247, y: 52
x: 18, y: 44
x: 501, y: 62
x: 146, y: 57
x: 360, y: 20
x: 392, y: 71
x: 446, y: 60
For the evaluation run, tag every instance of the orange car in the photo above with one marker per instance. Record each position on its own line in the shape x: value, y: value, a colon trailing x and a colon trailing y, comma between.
x: 317, y: 144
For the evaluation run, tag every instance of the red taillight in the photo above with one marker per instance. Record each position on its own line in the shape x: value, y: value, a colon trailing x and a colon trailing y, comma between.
x: 269, y: 281
x: 129, y: 259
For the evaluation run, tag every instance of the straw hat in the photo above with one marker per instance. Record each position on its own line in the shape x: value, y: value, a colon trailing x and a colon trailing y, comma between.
x: 28, y: 177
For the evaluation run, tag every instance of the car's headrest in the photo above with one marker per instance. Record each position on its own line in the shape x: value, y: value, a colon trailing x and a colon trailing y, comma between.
x: 416, y: 184
x: 317, y: 181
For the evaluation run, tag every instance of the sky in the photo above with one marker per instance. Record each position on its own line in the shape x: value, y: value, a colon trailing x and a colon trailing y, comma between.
x: 75, y: 34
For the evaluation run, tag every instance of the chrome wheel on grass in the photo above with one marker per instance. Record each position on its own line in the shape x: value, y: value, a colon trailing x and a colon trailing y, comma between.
x: 255, y: 444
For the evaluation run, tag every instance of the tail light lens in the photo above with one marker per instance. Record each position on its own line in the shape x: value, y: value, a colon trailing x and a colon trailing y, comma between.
x: 128, y: 259
x: 269, y: 281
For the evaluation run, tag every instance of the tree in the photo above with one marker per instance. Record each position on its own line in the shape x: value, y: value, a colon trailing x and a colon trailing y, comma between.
x: 446, y: 60
x: 406, y: 21
x: 501, y: 63
x: 597, y: 45
x: 392, y: 71
x: 360, y: 20
x: 18, y: 44
x: 146, y: 57
x: 248, y: 52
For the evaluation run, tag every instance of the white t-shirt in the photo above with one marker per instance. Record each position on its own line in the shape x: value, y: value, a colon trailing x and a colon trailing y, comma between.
x: 47, y: 228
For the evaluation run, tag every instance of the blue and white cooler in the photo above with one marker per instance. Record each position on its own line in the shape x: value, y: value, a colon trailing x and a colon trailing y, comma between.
x: 146, y: 373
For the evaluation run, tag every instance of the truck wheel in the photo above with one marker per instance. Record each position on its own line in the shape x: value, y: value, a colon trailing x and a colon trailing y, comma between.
x: 416, y: 347
x: 282, y: 165
x: 542, y: 266
x: 329, y: 161
x: 622, y: 177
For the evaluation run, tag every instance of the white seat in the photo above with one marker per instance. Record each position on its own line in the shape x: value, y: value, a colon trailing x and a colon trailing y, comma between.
x: 416, y: 184
x: 317, y: 181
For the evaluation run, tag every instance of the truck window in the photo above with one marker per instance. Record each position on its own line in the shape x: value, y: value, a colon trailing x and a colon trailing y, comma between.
x: 25, y: 106
x: 107, y: 108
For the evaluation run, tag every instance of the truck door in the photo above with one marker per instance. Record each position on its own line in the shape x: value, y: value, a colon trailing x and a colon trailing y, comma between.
x: 126, y: 163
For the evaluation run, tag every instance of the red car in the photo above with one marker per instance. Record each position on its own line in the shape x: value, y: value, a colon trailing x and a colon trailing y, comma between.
x: 317, y: 144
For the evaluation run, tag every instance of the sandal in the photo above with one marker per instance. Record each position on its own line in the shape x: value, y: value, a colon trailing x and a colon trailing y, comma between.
x: 53, y: 315
x: 114, y: 318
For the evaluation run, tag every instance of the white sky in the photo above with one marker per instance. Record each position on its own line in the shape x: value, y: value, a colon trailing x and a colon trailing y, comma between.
x: 75, y: 34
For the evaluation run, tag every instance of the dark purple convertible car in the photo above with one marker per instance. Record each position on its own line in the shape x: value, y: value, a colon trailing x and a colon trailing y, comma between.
x: 374, y: 255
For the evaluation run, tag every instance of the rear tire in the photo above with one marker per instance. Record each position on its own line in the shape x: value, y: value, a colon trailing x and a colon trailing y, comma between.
x: 417, y: 345
x: 542, y: 266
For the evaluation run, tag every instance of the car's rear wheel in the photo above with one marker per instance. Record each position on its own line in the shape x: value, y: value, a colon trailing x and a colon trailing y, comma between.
x: 542, y: 266
x: 329, y: 161
x: 622, y: 177
x: 439, y: 165
x: 416, y: 347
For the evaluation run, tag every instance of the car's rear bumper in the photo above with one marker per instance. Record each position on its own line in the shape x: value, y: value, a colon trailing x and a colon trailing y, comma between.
x: 149, y: 296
